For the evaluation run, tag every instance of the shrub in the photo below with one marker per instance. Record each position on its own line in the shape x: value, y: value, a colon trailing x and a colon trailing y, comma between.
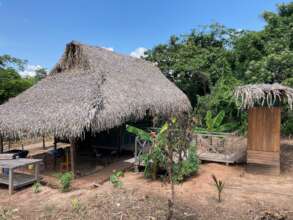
x: 184, y: 152
x: 115, y: 178
x: 65, y: 180
x: 153, y: 161
x: 186, y: 168
x: 36, y: 187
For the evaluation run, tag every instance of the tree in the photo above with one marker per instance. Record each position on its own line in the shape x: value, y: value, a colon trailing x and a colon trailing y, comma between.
x: 194, y: 62
x: 207, y: 64
x: 41, y: 73
x: 11, y: 83
x: 172, y: 149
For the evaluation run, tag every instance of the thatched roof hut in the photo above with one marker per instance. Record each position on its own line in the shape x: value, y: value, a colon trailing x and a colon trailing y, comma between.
x: 91, y: 89
x: 264, y: 95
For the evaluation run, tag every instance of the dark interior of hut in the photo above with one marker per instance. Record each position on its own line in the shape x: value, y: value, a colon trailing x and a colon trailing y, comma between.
x: 96, y: 151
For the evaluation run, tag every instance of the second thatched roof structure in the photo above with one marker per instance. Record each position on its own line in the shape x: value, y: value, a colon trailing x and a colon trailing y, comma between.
x: 90, y: 89
x: 264, y: 95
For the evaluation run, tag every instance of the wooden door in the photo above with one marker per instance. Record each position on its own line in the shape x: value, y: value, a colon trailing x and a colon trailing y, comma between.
x: 263, y: 141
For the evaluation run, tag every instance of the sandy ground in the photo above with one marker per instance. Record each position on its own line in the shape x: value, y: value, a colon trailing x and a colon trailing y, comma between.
x: 245, y: 196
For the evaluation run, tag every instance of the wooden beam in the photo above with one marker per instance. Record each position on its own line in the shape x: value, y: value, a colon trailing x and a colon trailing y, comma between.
x: 73, y: 145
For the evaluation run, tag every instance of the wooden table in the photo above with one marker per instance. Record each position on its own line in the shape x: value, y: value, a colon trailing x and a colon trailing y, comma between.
x: 16, y: 180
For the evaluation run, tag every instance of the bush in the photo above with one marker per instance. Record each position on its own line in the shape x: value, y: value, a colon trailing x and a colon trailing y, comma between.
x: 186, y: 168
x: 115, y: 178
x: 36, y: 187
x: 65, y: 181
x: 156, y: 161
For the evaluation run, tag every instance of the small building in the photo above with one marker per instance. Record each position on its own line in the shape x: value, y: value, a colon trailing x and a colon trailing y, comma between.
x: 91, y: 92
x: 264, y: 102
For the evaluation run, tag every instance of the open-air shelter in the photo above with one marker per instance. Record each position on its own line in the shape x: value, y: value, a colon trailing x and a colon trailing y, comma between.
x: 90, y: 94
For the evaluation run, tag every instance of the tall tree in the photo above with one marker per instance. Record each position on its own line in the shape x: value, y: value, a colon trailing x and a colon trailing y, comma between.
x: 11, y: 83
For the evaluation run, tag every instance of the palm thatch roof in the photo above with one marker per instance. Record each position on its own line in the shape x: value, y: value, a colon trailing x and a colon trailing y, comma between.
x: 264, y: 95
x: 91, y: 89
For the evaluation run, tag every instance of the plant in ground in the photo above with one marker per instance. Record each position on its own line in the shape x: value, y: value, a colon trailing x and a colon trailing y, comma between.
x: 115, y: 178
x: 36, y: 187
x: 156, y: 159
x: 65, y: 180
x: 219, y: 186
x: 172, y: 150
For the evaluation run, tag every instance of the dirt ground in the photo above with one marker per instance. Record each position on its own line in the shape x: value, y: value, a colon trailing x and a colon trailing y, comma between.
x: 245, y: 196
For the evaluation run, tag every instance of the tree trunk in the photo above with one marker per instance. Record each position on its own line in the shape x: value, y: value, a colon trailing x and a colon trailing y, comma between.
x: 170, y: 174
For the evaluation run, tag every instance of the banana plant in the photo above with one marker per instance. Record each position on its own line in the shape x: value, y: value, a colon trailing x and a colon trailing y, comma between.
x: 215, y: 124
x: 147, y: 136
x: 143, y: 135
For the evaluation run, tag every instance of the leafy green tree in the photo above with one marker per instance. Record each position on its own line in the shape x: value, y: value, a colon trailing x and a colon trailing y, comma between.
x: 11, y: 83
x: 194, y: 62
x: 208, y: 64
x: 41, y: 73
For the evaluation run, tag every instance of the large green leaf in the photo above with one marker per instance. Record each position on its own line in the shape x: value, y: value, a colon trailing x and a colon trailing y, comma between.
x: 217, y: 121
x: 209, y: 121
x: 139, y: 132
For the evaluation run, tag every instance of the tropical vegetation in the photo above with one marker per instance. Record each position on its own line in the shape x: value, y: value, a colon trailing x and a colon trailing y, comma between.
x: 210, y: 61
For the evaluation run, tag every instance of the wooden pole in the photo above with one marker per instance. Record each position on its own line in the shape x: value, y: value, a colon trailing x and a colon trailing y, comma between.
x: 11, y: 187
x: 37, y: 172
x: 1, y: 144
x: 55, y: 149
x: 44, y: 143
x: 73, y: 157
x: 9, y: 144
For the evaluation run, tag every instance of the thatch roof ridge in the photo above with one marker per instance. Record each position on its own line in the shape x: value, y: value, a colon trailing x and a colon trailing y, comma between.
x: 90, y: 88
x: 264, y: 94
x: 80, y: 52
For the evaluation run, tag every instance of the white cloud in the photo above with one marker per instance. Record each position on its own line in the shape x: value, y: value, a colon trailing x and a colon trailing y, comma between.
x: 30, y: 70
x: 109, y: 48
x: 138, y: 52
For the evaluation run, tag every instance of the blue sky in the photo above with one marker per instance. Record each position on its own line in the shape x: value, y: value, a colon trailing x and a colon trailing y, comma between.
x: 38, y: 30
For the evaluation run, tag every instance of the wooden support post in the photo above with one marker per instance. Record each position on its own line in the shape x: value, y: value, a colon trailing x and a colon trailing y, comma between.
x: 55, y: 143
x: 44, y: 143
x: 37, y: 172
x: 11, y: 187
x: 73, y: 157
x: 1, y: 144
x: 9, y: 144
x: 55, y: 148
x: 136, y: 156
